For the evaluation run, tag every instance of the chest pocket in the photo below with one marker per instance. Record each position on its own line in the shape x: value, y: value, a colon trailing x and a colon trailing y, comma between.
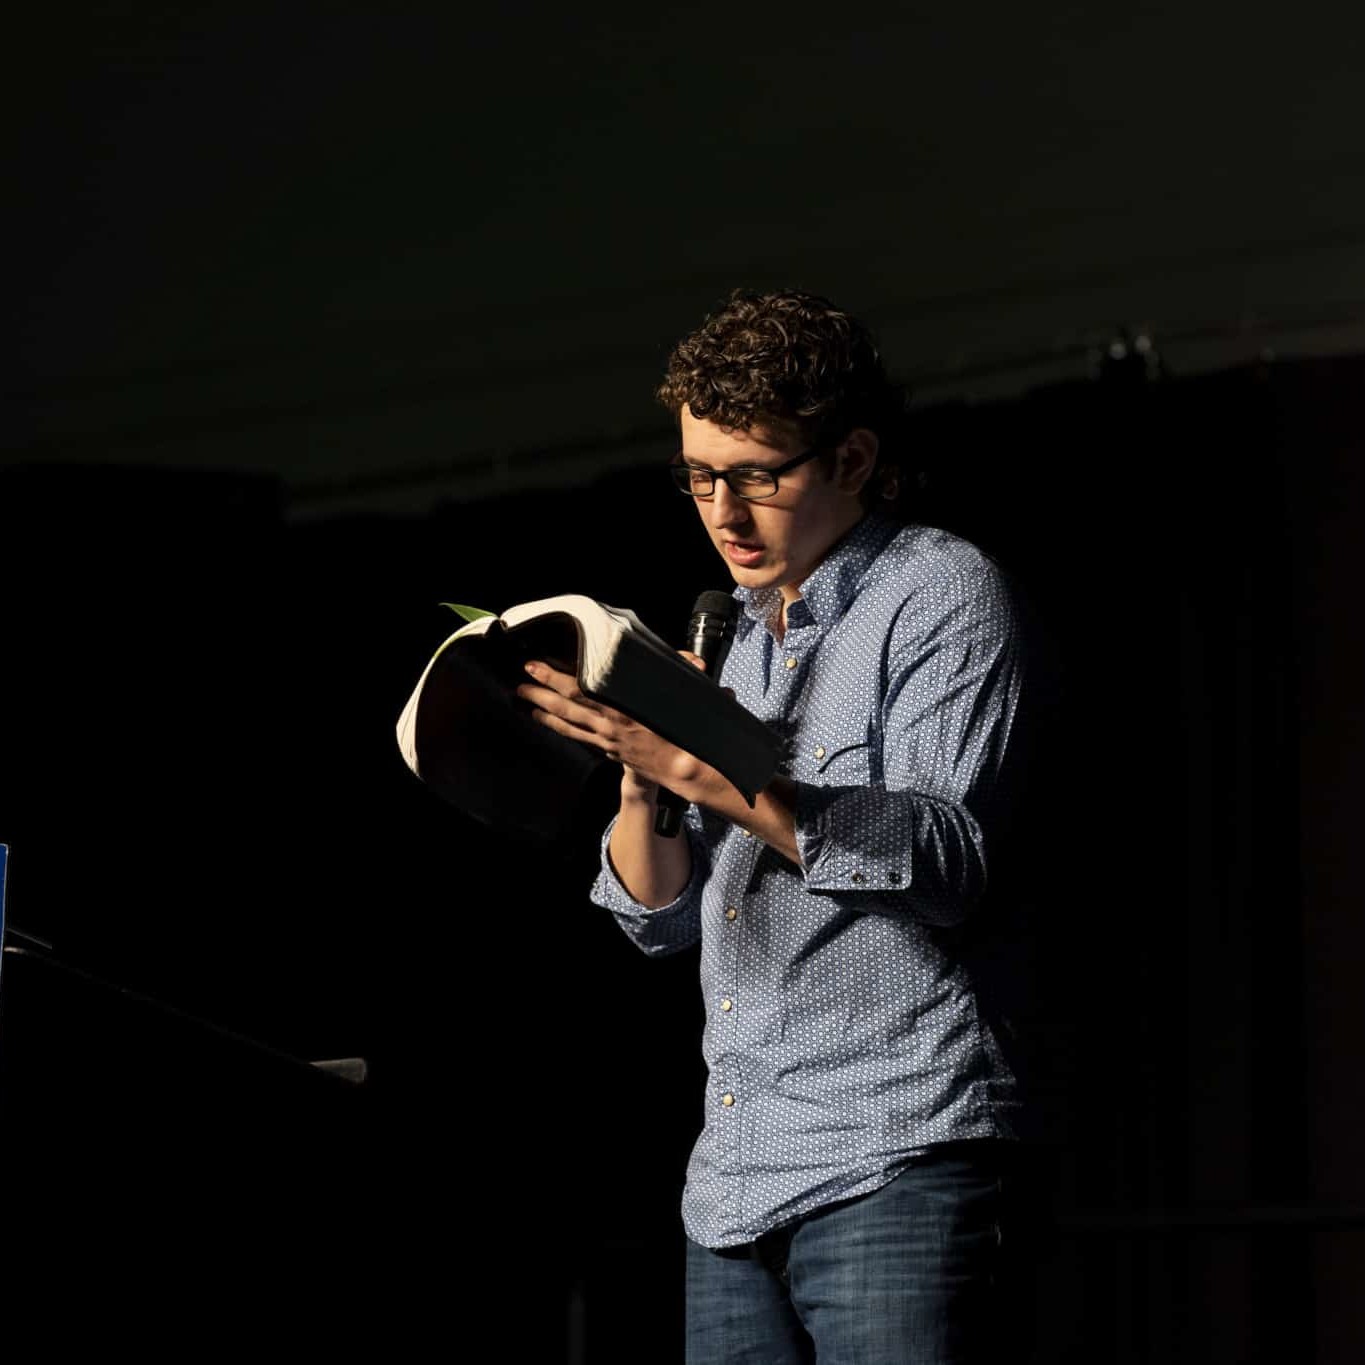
x: 844, y: 754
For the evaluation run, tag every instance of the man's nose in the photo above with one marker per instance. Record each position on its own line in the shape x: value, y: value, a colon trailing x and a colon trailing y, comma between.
x: 727, y: 508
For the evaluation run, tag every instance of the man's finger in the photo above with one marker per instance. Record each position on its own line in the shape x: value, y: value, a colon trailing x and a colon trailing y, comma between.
x: 566, y: 684
x: 567, y: 728
x: 577, y: 710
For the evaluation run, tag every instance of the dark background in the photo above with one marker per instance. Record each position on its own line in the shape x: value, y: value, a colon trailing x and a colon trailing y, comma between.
x: 327, y: 317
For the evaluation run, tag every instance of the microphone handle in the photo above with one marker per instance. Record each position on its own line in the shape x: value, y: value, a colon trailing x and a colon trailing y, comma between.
x: 669, y: 808
x: 711, y: 647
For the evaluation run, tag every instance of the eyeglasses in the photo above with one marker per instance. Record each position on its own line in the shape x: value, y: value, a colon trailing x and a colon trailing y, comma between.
x: 752, y: 481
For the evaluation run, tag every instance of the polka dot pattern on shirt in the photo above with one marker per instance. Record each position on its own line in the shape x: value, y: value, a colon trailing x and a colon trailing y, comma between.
x: 842, y: 1031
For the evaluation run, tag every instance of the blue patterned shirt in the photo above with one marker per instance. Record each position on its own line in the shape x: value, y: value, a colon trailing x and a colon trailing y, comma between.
x: 845, y: 1025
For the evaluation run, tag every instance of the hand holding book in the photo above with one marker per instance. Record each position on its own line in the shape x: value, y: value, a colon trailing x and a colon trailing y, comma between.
x: 468, y: 733
x: 650, y: 762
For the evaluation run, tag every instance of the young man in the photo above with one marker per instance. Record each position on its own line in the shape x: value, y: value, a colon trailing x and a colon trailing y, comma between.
x: 844, y: 1200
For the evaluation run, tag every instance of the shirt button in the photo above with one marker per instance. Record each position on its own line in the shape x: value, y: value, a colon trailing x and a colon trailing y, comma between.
x: 731, y: 913
x: 819, y: 751
x: 727, y: 1005
x: 728, y: 1100
x: 857, y: 877
x: 747, y: 833
x: 789, y: 661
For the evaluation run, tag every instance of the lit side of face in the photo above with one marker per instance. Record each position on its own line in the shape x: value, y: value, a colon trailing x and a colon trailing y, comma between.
x: 778, y: 541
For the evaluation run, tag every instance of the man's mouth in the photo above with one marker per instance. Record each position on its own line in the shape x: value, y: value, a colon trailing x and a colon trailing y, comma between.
x: 745, y: 553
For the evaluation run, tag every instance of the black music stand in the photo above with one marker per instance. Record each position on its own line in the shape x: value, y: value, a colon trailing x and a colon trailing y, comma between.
x: 141, y: 1145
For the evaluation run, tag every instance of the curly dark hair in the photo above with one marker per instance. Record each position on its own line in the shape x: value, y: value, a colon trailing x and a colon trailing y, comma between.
x: 790, y: 357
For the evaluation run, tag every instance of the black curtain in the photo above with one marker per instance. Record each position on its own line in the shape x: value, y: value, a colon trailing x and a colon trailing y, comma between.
x: 204, y: 800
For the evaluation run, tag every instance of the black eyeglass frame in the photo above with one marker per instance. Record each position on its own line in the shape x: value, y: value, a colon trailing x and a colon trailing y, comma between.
x: 682, y: 474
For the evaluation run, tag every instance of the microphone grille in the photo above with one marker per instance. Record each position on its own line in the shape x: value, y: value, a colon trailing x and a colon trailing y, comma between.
x: 715, y: 603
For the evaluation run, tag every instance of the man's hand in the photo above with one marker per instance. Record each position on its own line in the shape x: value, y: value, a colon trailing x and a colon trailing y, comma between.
x: 649, y: 761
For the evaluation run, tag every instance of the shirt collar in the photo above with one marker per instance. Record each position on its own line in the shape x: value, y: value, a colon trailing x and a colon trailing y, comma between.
x: 833, y: 582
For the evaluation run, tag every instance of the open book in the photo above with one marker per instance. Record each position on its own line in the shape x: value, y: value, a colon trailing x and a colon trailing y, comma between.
x: 467, y: 735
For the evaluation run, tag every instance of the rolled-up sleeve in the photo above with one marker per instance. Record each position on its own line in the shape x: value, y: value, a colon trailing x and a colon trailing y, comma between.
x: 669, y: 928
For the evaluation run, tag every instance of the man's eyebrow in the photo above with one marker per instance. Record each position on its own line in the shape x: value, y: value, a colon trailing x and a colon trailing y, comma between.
x: 693, y: 462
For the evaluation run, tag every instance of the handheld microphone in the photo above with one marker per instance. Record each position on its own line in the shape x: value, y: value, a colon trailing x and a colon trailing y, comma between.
x: 710, y: 633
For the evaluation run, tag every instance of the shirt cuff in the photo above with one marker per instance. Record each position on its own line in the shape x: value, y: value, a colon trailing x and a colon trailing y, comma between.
x: 845, y: 842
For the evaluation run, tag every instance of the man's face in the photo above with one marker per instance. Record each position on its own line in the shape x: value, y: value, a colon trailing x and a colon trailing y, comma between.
x: 778, y: 541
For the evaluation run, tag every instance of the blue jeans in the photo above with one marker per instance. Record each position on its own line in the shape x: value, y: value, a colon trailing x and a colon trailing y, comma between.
x: 911, y: 1273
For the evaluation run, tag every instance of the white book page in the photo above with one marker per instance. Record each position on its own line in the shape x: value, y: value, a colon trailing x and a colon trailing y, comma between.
x: 406, y: 728
x: 603, y: 627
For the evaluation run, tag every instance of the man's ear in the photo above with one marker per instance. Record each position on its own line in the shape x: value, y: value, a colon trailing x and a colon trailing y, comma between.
x: 857, y: 459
